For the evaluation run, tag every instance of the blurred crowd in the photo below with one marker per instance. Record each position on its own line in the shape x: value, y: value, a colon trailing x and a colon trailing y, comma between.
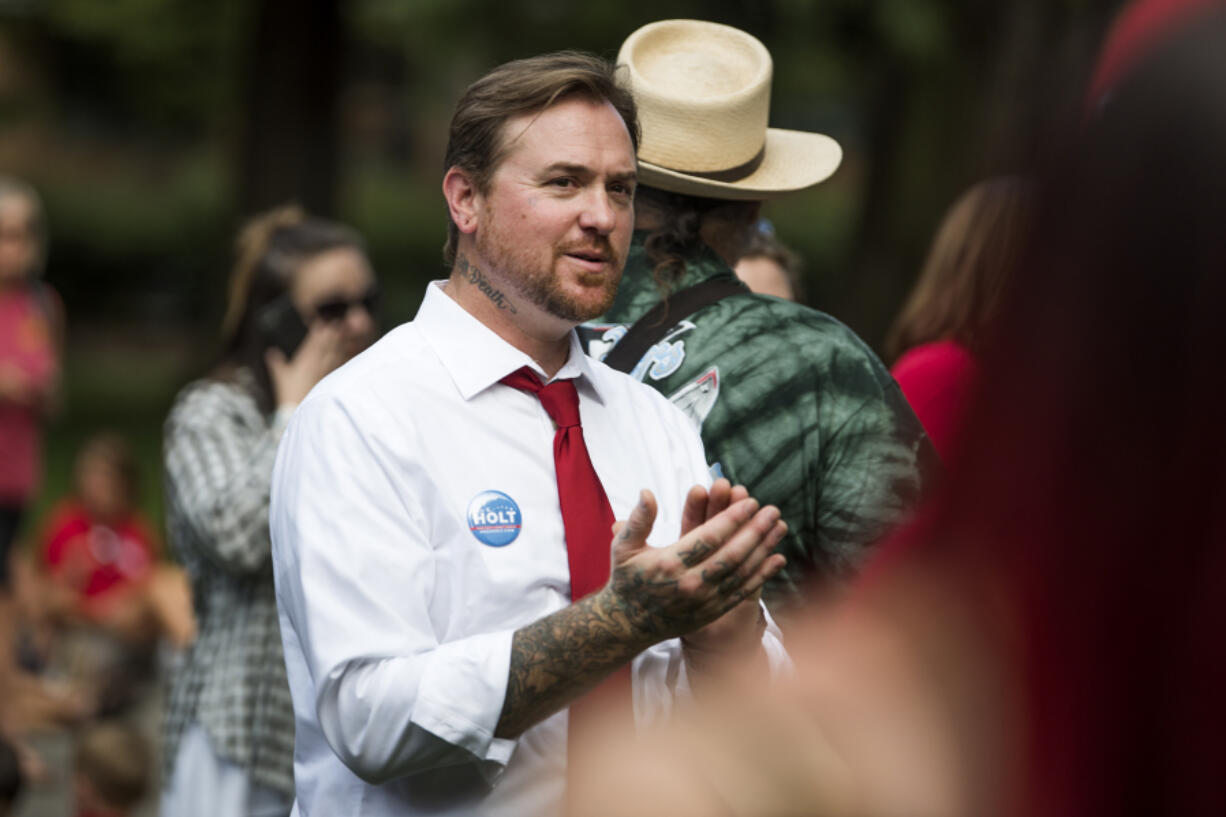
x: 1004, y: 552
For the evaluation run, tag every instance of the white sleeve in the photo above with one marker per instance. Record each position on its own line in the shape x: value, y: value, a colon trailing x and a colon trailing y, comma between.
x: 659, y: 672
x: 354, y: 571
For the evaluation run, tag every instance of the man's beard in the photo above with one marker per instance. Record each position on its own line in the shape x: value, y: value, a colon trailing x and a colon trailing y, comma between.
x: 543, y: 287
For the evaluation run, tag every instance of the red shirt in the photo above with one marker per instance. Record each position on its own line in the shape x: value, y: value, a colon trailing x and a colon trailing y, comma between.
x: 96, y: 558
x: 937, y: 379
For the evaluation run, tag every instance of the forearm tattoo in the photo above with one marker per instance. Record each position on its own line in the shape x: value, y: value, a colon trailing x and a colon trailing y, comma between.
x: 474, y: 276
x: 557, y: 659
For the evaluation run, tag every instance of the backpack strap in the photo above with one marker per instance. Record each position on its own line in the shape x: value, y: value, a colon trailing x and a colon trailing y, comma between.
x: 648, y: 330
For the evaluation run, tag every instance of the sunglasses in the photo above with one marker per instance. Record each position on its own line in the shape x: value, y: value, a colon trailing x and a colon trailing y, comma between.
x: 336, y: 309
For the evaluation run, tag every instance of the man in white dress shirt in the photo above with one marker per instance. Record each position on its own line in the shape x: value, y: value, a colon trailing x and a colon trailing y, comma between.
x: 419, y: 540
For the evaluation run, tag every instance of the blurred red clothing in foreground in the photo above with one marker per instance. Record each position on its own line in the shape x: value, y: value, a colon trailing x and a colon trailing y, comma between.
x: 1044, y: 638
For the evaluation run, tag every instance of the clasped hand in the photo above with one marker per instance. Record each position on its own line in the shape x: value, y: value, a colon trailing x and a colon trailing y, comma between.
x: 704, y: 586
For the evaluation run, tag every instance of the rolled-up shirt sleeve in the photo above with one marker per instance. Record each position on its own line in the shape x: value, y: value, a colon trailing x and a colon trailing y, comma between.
x: 354, y: 571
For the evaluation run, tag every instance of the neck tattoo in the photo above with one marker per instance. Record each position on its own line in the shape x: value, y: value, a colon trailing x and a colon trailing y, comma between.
x: 475, y: 277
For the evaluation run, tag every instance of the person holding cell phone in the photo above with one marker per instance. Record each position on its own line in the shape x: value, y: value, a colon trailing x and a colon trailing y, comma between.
x: 302, y: 300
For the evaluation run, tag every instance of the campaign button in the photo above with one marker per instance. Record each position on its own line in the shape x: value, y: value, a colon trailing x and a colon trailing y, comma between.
x: 494, y: 518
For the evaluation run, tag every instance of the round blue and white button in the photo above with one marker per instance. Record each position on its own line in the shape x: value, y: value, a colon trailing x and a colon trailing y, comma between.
x: 494, y: 518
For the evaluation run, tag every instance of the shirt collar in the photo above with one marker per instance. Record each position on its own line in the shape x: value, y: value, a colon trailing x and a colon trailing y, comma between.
x: 477, y: 358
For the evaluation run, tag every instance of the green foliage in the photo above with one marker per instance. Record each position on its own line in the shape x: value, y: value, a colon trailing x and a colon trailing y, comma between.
x: 130, y: 209
x: 171, y: 63
x: 404, y: 222
x: 917, y: 30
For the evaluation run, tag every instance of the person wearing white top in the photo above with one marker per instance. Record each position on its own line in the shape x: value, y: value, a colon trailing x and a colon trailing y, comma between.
x: 431, y: 642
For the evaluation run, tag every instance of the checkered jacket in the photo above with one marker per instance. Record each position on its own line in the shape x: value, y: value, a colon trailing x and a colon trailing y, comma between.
x: 219, y: 449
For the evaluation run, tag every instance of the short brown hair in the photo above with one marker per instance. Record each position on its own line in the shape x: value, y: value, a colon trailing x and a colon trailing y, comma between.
x: 763, y: 243
x: 972, y: 255
x: 113, y: 451
x: 474, y: 141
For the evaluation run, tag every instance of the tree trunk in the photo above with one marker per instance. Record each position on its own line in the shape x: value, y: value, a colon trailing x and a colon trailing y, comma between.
x: 290, y: 140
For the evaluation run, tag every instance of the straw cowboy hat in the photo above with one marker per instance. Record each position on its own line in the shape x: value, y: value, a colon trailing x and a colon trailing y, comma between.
x: 703, y: 95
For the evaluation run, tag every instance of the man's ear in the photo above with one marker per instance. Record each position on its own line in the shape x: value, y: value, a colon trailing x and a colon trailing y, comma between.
x: 463, y: 199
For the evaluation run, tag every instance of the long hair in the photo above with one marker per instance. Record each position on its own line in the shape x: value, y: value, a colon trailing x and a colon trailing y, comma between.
x: 972, y: 254
x: 1089, y: 491
x: 270, y: 249
x: 679, y: 235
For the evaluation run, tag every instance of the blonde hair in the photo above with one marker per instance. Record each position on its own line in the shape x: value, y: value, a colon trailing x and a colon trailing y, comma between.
x: 251, y: 246
x: 972, y: 255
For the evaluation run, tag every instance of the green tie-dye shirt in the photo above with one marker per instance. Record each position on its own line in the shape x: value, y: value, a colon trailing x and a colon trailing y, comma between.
x: 792, y: 405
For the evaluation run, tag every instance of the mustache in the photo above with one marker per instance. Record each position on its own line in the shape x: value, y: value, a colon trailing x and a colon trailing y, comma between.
x: 599, y: 245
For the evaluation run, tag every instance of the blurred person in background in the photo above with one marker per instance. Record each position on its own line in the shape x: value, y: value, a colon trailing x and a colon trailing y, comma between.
x: 768, y: 267
x: 302, y: 300
x: 99, y: 553
x: 788, y: 400
x: 112, y: 770
x: 31, y: 341
x: 96, y: 601
x: 936, y: 336
x: 1044, y: 639
x: 31, y: 333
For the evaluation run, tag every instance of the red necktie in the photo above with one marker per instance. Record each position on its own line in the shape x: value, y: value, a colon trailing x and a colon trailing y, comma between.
x: 587, y: 517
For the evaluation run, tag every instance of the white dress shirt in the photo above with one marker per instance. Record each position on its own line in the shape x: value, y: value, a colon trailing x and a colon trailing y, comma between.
x: 397, y: 617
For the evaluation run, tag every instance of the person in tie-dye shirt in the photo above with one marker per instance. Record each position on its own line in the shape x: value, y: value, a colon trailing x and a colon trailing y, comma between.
x: 789, y: 401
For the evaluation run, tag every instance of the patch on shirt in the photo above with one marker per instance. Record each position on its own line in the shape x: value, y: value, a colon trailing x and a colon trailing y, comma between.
x: 600, y: 338
x: 666, y: 357
x: 494, y: 518
x: 698, y: 397
x: 658, y: 362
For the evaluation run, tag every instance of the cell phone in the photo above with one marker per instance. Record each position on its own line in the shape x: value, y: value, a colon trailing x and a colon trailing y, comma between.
x: 281, y: 326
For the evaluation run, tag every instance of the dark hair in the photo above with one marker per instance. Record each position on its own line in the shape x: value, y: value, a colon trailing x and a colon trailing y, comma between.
x: 763, y: 243
x: 117, y: 761
x: 12, y: 781
x: 114, y: 451
x: 271, y: 247
x: 972, y: 254
x: 1089, y: 485
x: 475, y: 139
x: 680, y: 234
